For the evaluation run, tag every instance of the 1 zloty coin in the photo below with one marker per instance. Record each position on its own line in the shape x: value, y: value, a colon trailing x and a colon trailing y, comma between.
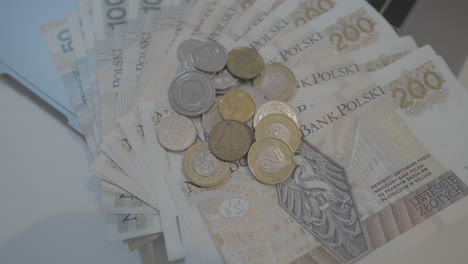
x: 192, y: 93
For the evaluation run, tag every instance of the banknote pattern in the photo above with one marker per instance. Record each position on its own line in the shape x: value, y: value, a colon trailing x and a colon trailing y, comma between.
x: 383, y: 61
x: 352, y: 32
x: 311, y: 9
x: 419, y: 89
x: 318, y: 196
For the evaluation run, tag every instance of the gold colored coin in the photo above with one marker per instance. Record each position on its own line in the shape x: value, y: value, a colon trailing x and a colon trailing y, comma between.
x: 277, y: 82
x: 230, y: 140
x: 270, y: 160
x: 244, y: 63
x: 236, y: 105
x: 281, y: 127
x: 202, y: 168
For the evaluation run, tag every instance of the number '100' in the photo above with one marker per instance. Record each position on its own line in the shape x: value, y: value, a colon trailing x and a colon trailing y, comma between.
x: 116, y: 13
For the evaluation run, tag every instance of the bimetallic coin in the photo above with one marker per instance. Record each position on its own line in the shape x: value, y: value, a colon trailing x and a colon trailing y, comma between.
x: 270, y: 160
x: 277, y: 82
x: 212, y: 117
x: 191, y: 93
x: 275, y: 107
x: 245, y: 63
x: 257, y: 96
x: 281, y: 127
x: 176, y: 132
x: 224, y: 80
x: 230, y: 140
x: 236, y: 105
x: 187, y: 47
x: 210, y: 57
x: 202, y: 168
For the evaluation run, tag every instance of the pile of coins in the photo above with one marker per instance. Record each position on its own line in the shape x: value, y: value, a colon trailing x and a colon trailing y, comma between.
x: 244, y: 112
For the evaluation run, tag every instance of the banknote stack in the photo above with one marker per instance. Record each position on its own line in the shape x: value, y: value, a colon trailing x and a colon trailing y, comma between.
x: 255, y: 131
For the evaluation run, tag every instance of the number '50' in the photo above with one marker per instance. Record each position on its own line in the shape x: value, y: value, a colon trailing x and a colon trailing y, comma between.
x: 418, y: 89
x: 351, y: 33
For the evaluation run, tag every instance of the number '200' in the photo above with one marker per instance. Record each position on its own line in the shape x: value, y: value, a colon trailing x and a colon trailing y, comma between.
x: 351, y: 33
x: 418, y: 89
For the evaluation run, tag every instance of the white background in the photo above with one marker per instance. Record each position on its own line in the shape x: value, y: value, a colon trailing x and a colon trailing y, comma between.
x: 50, y: 202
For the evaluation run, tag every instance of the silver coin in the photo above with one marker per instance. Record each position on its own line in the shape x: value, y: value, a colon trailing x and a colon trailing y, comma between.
x: 276, y: 107
x: 186, y: 64
x: 211, y: 117
x: 205, y: 163
x: 225, y: 91
x: 187, y: 47
x: 224, y: 80
x: 176, y: 132
x: 250, y: 123
x: 192, y: 93
x: 257, y: 96
x: 210, y: 57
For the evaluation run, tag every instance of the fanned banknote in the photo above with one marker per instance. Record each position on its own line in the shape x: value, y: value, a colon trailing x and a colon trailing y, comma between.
x: 381, y: 152
x: 400, y: 169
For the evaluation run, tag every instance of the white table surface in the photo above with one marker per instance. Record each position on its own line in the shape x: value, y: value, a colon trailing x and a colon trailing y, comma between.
x: 50, y: 202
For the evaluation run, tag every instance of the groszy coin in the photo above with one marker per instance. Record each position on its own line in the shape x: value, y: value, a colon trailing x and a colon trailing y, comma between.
x: 277, y: 82
x: 270, y: 160
x: 257, y: 96
x: 186, y: 64
x: 245, y: 63
x: 187, y: 47
x: 224, y: 80
x: 202, y: 168
x: 191, y: 93
x: 281, y: 127
x: 212, y: 117
x: 236, y: 105
x: 230, y: 140
x: 176, y: 132
x: 210, y: 57
x: 275, y: 107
